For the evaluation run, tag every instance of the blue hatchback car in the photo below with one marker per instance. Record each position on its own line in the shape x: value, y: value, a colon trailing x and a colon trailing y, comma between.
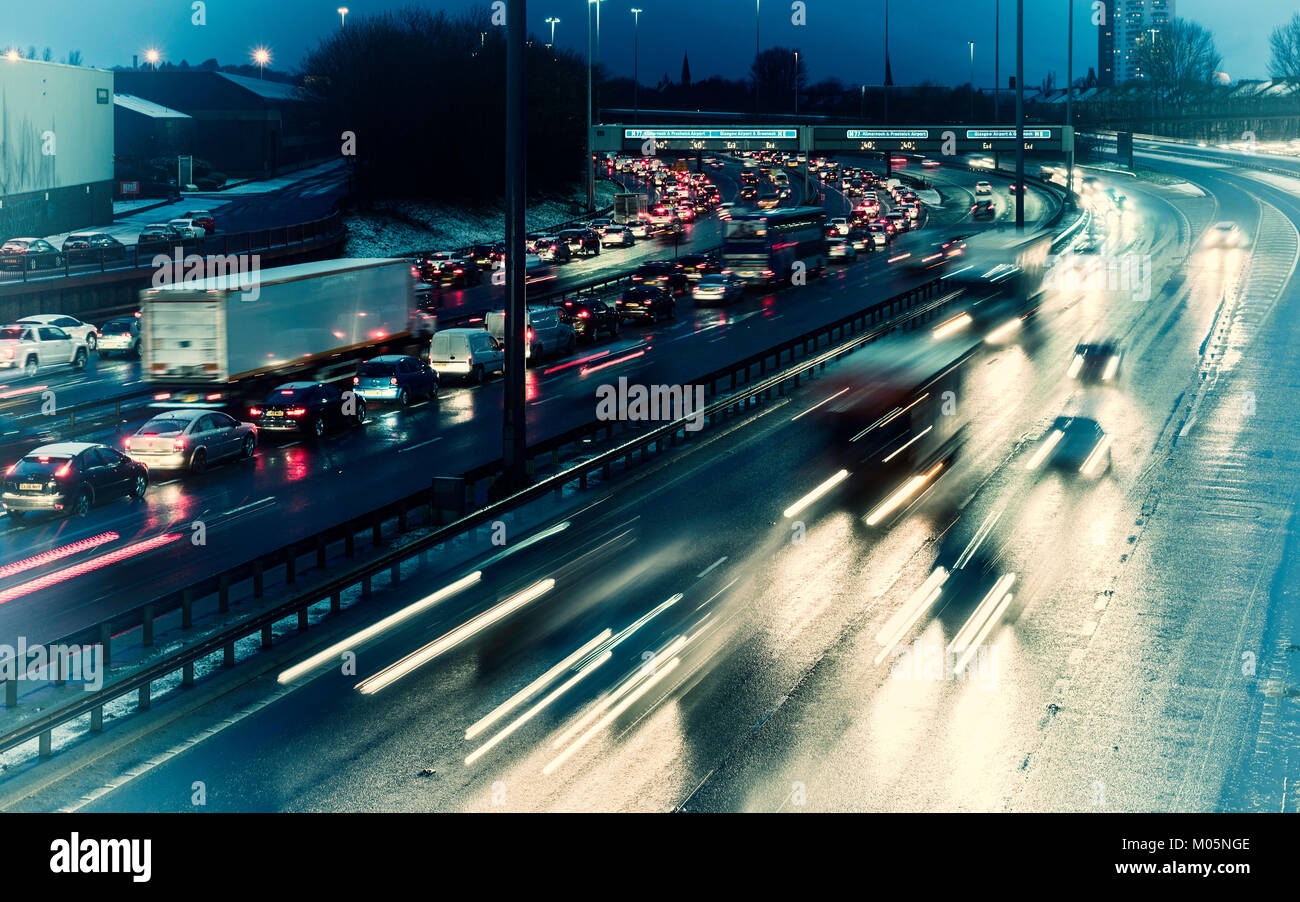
x: 395, y: 377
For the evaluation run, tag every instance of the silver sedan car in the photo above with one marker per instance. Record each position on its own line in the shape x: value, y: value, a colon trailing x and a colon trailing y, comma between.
x: 191, y: 440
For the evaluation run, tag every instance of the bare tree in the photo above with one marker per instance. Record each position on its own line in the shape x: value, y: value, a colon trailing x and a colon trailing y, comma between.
x: 1179, y: 61
x: 74, y: 58
x: 1284, y: 47
x: 778, y: 76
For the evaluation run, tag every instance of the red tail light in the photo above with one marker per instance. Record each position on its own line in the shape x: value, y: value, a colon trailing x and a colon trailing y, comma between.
x: 12, y: 467
x: 254, y: 411
x: 392, y: 380
x: 296, y: 412
x: 356, y: 380
x: 583, y: 314
x: 529, y: 333
x: 127, y: 444
x: 178, y: 444
x: 63, y: 470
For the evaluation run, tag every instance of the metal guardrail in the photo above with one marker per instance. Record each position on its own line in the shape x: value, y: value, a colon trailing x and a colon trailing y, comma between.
x: 134, y: 259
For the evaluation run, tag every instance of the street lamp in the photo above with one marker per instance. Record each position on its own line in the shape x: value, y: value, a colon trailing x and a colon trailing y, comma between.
x: 796, y: 82
x: 972, y: 80
x: 343, y: 15
x: 152, y: 56
x: 889, y: 76
x: 757, y: 106
x: 589, y: 164
x: 261, y: 56
x: 997, y: 61
x: 636, y: 59
x: 552, y: 21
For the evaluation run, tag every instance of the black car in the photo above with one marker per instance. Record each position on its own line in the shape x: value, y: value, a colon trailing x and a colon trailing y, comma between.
x: 590, y: 318
x: 860, y: 239
x: 483, y: 255
x: 582, y: 241
x: 311, y: 408
x: 1096, y: 362
x: 160, y: 237
x: 666, y: 274
x: 29, y: 254
x: 697, y: 265
x: 983, y: 209
x: 91, y: 247
x: 646, y: 302
x: 69, y: 477
x: 457, y: 273
x: 553, y: 250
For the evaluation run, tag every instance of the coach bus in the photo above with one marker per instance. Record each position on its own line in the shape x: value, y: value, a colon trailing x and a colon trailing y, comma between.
x: 771, y: 246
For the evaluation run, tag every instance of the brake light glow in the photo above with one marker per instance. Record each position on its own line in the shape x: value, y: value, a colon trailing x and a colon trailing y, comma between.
x: 254, y: 411
x: 392, y: 380
x: 63, y: 470
x: 295, y: 412
x: 178, y: 444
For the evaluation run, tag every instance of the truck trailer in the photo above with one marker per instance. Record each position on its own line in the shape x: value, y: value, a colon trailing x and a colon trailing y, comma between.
x: 217, y: 341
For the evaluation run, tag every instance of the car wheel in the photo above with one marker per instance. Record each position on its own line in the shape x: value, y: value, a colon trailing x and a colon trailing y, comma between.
x: 199, y: 461
x: 317, y: 427
x: 476, y: 375
x: 81, y: 505
x: 135, y: 350
x: 403, y: 398
x: 92, y: 341
x: 433, y: 392
x: 250, y: 444
x: 361, y: 413
x: 79, y: 360
x: 17, y: 515
x: 141, y: 484
x: 30, y: 368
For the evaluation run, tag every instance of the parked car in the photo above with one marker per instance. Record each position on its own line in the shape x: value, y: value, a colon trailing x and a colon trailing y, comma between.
x: 395, y: 377
x: 70, y: 477
x: 590, y: 318
x: 33, y: 348
x: 718, y: 288
x: 187, y: 228
x: 204, y: 219
x: 120, y: 336
x: 310, y: 408
x: 29, y: 254
x: 83, y: 332
x: 470, y: 354
x: 645, y: 302
x: 91, y: 247
x: 190, y: 439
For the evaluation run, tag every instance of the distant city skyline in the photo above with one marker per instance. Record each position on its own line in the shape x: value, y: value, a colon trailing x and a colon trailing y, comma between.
x: 842, y: 38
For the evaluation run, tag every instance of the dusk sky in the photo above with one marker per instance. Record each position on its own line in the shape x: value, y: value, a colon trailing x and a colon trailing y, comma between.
x: 843, y: 38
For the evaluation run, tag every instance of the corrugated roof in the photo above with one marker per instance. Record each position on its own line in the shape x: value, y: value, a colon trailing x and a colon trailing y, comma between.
x: 147, y: 107
x: 267, y: 90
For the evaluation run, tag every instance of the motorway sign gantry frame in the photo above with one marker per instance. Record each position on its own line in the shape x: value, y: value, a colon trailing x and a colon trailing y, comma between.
x: 942, y: 139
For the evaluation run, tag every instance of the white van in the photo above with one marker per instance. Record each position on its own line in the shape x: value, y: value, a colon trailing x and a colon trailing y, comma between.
x: 545, y: 332
x: 471, y: 354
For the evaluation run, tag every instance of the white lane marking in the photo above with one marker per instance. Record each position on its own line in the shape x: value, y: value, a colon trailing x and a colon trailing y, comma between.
x: 709, y: 569
x: 268, y: 499
x: 818, y: 404
x: 420, y: 445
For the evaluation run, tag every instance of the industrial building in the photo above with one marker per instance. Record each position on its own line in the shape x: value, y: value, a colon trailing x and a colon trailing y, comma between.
x: 56, y: 147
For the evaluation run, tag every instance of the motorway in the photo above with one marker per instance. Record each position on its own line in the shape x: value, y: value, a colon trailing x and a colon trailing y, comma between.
x: 699, y: 649
x: 291, y: 490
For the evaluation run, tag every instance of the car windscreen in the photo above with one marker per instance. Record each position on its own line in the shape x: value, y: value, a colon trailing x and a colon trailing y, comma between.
x: 378, y: 369
x: 444, y: 345
x: 163, y: 426
x: 115, y: 327
x: 37, y: 466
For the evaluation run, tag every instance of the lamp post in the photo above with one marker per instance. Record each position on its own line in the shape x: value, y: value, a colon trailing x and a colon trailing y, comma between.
x: 972, y: 80
x: 888, y: 79
x: 261, y: 56
x: 1020, y: 115
x: 514, y: 423
x: 343, y: 16
x: 796, y: 82
x: 636, y: 65
x: 757, y: 105
x: 1069, y: 106
x: 997, y: 61
x: 552, y: 21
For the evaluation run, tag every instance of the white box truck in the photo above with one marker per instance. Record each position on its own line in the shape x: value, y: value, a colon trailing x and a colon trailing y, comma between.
x: 213, y: 341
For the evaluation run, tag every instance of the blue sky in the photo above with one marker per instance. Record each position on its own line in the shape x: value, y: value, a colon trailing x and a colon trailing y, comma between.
x: 842, y: 38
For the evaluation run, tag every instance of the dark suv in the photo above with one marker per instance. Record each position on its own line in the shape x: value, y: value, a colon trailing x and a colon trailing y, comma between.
x: 697, y: 265
x: 70, y: 477
x: 582, y: 241
x: 665, y: 274
x: 646, y: 302
x: 590, y: 318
